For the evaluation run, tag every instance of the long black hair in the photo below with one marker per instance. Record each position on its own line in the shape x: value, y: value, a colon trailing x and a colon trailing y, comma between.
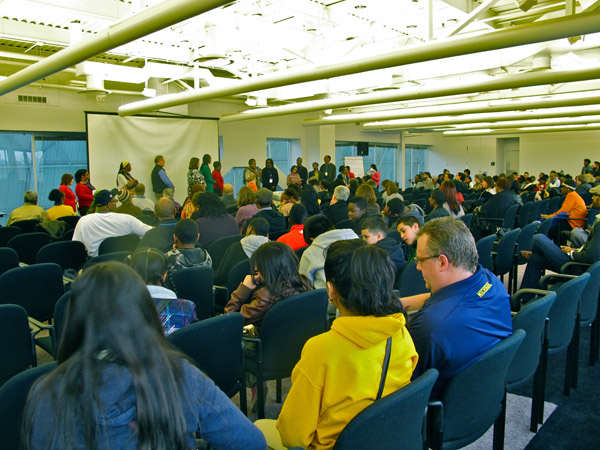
x: 363, y: 275
x: 111, y: 320
x: 209, y: 205
x: 278, y: 265
x: 310, y: 199
x: 150, y: 264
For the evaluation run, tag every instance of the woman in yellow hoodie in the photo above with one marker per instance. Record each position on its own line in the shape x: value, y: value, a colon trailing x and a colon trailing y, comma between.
x: 340, y: 372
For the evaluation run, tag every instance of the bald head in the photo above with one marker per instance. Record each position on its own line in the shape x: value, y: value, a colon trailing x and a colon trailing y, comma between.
x: 164, y: 208
x: 227, y: 189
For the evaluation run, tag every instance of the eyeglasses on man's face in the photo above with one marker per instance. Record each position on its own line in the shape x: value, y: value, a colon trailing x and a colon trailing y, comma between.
x: 420, y: 261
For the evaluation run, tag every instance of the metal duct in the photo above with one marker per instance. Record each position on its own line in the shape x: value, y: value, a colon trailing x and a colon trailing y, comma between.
x: 519, y: 131
x: 147, y: 21
x: 518, y: 35
x: 506, y: 82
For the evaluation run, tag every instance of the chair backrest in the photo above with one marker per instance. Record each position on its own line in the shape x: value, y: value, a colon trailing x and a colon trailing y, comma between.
x: 26, y: 226
x: 396, y: 418
x: 215, y: 345
x: 505, y: 252
x: 410, y: 281
x: 36, y: 288
x: 7, y: 233
x: 67, y: 254
x: 592, y: 213
x: 467, y: 219
x: 555, y: 204
x: 60, y: 315
x: 27, y: 245
x: 127, y: 243
x: 589, y: 297
x: 16, y: 347
x: 473, y: 398
x: 544, y: 206
x: 148, y: 220
x: 524, y: 214
x: 484, y: 250
x: 534, y: 213
x: 532, y: 319
x: 545, y: 226
x: 68, y: 235
x: 114, y: 256
x: 9, y: 259
x: 196, y: 284
x: 564, y: 312
x: 70, y: 220
x: 217, y: 248
x: 237, y: 275
x: 526, y: 236
x: 510, y: 216
x: 287, y: 326
x: 13, y: 395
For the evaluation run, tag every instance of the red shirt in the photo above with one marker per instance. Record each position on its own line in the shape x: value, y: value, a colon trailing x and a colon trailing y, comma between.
x: 295, y: 238
x: 69, y: 196
x: 218, y: 180
x: 85, y: 195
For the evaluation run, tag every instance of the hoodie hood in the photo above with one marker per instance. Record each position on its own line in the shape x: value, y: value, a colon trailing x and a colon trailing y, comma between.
x: 324, y: 240
x: 251, y: 243
x: 368, y: 331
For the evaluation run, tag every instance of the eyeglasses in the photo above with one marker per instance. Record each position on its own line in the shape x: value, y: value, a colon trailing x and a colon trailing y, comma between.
x: 419, y: 261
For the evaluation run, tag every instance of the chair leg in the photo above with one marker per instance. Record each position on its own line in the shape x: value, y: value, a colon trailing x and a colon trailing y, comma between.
x: 499, y: 427
x: 594, y: 341
x: 278, y: 393
x: 243, y: 398
x: 543, y: 368
x: 260, y: 392
x: 575, y: 359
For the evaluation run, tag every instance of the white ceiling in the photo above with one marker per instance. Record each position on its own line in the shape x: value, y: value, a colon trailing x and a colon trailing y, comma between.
x: 247, y: 39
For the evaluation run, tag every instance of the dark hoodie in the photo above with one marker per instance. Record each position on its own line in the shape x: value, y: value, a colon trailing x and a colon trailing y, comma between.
x: 395, y: 251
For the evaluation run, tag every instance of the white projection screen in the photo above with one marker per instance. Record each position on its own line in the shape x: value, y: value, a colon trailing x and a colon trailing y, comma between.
x: 112, y: 139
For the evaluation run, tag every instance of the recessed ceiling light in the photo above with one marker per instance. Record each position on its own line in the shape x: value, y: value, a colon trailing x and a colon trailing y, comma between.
x: 360, y: 7
x: 411, y: 26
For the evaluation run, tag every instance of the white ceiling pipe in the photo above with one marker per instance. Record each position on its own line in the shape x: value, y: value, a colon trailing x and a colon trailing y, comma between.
x: 147, y: 21
x: 481, y: 118
x: 505, y: 82
x: 453, y: 109
x: 533, y: 123
x: 510, y: 37
x: 517, y: 131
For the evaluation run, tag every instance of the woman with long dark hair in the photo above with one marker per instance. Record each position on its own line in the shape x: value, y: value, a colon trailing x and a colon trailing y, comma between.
x: 451, y: 204
x: 70, y: 200
x: 124, y: 177
x: 275, y: 268
x: 118, y: 383
x: 310, y: 199
x: 340, y: 371
x: 212, y: 218
x: 84, y: 191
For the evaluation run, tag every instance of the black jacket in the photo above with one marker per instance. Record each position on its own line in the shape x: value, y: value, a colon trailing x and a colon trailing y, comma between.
x: 160, y: 237
x: 395, y: 251
x: 337, y: 212
x: 440, y: 211
x: 497, y: 205
x: 276, y: 220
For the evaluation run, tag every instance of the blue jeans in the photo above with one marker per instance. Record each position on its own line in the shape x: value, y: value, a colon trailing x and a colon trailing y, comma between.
x: 545, y: 255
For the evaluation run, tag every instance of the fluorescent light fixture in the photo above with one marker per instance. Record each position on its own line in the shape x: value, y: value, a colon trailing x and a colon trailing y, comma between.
x: 484, y: 131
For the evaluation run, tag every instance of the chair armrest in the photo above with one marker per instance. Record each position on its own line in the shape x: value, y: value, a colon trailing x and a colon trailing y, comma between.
x: 435, y: 424
x: 549, y: 280
x: 517, y: 297
x: 574, y: 268
x: 258, y: 342
x: 217, y: 287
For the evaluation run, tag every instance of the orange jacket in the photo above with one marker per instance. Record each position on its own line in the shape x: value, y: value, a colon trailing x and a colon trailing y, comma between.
x: 575, y: 207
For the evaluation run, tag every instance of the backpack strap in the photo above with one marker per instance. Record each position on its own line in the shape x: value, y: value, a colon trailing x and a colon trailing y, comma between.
x: 386, y: 363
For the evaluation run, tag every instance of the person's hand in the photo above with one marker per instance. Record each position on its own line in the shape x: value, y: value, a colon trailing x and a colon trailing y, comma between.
x: 249, y: 282
x: 544, y: 216
x: 566, y: 249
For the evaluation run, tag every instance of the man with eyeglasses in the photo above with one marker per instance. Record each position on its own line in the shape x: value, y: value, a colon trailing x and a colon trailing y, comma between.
x: 468, y: 311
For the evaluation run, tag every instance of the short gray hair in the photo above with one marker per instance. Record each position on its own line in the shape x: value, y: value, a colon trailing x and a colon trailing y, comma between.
x: 341, y: 193
x: 30, y: 197
x: 451, y: 237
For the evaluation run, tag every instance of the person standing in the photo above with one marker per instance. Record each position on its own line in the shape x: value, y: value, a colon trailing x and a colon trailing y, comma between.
x: 160, y: 180
x: 84, y: 191
x: 315, y: 173
x: 328, y: 169
x: 302, y: 171
x: 205, y: 171
x: 193, y: 174
x: 270, y: 175
x: 124, y: 177
x: 65, y: 182
x: 252, y: 173
x: 216, y: 174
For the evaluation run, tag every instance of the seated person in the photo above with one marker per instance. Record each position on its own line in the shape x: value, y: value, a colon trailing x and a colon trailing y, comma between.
x: 227, y: 197
x: 59, y: 209
x: 496, y: 205
x: 323, y: 193
x: 408, y: 227
x: 392, y: 212
x: 547, y: 255
x: 319, y: 234
x: 184, y: 253
x: 140, y: 200
x: 357, y: 210
x: 161, y: 236
x: 374, y: 232
x: 257, y: 233
x: 151, y: 266
x: 338, y: 207
x: 436, y: 201
x: 118, y: 383
x: 573, y: 205
x: 340, y: 371
x: 127, y: 207
x: 212, y: 219
x: 276, y: 220
x: 289, y: 198
x: 29, y: 211
x: 295, y: 237
x: 468, y: 310
x: 275, y: 278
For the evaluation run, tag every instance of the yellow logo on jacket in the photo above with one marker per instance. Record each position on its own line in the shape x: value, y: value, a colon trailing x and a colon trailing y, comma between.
x: 486, y: 287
